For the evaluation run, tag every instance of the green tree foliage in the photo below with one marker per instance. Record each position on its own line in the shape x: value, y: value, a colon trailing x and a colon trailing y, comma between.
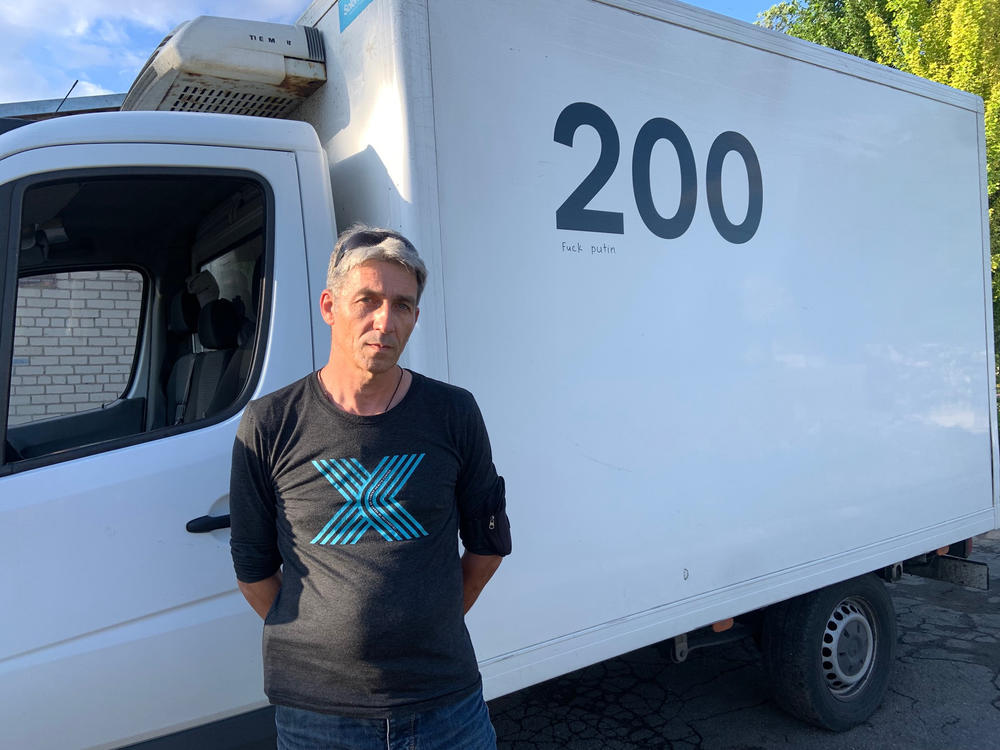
x: 954, y: 42
x: 840, y: 24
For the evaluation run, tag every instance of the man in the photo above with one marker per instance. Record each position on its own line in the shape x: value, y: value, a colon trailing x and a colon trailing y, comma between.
x: 349, y: 489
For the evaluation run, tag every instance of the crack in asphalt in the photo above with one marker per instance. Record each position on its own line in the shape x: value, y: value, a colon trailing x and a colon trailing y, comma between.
x: 914, y: 702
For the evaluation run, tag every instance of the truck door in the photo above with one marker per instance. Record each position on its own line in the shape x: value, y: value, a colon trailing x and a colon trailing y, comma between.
x: 138, y: 299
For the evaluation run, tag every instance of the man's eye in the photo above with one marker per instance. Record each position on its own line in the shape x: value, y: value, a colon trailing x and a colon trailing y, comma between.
x: 404, y: 306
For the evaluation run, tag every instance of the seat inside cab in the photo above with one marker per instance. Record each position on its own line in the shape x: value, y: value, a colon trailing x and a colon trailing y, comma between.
x: 138, y: 308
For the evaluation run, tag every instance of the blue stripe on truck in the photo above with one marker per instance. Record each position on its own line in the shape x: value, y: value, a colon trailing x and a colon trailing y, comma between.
x: 349, y: 10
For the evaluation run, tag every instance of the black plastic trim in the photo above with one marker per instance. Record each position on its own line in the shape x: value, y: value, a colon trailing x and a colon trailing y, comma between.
x: 264, y: 312
x: 314, y: 41
x: 11, y: 123
x: 250, y: 731
x: 204, y: 524
x: 8, y: 301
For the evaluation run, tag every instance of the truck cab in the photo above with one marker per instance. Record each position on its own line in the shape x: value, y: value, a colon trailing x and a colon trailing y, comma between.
x: 149, y: 260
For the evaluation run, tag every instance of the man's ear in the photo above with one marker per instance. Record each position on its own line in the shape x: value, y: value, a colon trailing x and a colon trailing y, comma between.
x: 416, y: 315
x: 326, y: 304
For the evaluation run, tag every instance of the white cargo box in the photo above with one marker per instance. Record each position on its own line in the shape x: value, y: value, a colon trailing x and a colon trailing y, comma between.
x: 691, y: 426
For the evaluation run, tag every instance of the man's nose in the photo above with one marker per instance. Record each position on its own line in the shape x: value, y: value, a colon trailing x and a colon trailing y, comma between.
x: 383, y: 317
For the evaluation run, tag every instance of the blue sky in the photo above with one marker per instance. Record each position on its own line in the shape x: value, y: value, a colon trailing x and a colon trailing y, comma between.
x: 48, y: 44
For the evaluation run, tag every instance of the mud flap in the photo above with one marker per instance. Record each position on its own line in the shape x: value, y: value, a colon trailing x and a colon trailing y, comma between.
x: 974, y: 575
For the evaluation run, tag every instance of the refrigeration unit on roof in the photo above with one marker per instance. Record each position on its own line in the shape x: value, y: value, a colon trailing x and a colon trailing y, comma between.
x: 230, y: 66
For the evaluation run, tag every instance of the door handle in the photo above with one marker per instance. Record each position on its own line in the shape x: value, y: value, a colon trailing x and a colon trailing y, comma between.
x: 203, y: 524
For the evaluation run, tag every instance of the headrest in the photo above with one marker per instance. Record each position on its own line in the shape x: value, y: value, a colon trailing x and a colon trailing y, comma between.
x: 204, y: 286
x: 219, y: 325
x: 183, y: 313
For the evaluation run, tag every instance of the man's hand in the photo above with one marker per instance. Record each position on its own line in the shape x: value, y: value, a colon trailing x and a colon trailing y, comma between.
x: 261, y: 594
x: 477, y: 570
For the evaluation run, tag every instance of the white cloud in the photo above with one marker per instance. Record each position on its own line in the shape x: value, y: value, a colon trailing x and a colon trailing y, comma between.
x: 82, y: 16
x: 18, y: 83
x: 101, y: 43
x: 800, y: 361
x: 86, y: 88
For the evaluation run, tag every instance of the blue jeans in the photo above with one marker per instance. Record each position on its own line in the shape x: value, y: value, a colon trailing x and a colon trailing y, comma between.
x: 461, y: 726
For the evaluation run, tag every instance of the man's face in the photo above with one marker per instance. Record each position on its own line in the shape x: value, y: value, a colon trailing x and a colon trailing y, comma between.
x: 372, y: 315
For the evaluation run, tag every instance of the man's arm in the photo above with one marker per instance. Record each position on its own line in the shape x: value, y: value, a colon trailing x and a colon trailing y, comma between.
x: 477, y: 570
x: 253, y: 517
x: 482, y: 506
x: 261, y: 594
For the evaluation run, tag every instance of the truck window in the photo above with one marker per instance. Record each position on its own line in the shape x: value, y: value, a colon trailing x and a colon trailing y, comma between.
x: 74, y: 342
x: 138, y: 308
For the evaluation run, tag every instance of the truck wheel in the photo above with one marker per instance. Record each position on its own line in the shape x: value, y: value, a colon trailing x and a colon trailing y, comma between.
x: 829, y: 653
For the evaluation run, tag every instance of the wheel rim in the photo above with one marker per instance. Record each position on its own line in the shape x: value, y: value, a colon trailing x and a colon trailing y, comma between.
x: 848, y: 649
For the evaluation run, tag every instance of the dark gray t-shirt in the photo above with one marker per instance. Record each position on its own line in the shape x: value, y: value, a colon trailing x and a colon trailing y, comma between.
x: 364, y: 513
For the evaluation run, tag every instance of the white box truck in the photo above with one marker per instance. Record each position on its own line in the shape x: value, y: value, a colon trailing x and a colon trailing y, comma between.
x: 723, y: 297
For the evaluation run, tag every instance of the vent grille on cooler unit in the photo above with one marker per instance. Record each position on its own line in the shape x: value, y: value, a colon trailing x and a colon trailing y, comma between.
x: 222, y: 101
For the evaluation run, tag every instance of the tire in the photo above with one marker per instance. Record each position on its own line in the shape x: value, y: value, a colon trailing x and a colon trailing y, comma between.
x: 829, y: 653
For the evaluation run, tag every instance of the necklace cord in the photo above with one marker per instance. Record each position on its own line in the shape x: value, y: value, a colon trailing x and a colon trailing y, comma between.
x: 394, y: 390
x: 322, y: 385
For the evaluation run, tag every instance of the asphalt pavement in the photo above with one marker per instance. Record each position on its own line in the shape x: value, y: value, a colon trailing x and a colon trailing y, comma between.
x: 944, y: 692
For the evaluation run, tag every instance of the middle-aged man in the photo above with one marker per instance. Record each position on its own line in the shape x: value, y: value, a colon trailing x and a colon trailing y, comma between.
x: 349, y: 490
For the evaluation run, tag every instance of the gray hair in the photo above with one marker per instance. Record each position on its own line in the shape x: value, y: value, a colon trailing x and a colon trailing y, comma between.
x: 361, y: 243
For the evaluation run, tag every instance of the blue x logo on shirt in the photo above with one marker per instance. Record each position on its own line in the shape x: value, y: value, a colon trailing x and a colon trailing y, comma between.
x: 371, y: 499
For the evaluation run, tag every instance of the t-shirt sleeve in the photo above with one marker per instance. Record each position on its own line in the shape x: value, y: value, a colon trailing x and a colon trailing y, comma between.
x: 252, y: 509
x: 482, y: 503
